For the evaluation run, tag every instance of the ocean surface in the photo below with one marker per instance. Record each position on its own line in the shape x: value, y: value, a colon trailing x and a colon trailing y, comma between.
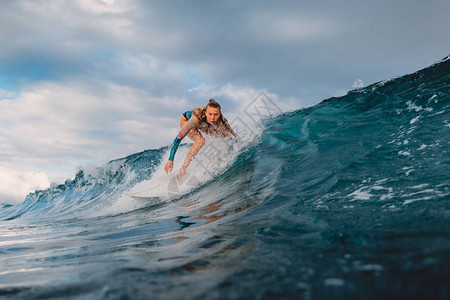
x: 348, y: 199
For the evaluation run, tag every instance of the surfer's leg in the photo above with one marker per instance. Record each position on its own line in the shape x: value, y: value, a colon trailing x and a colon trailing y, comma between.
x: 199, y: 141
x: 182, y: 121
x: 195, y: 135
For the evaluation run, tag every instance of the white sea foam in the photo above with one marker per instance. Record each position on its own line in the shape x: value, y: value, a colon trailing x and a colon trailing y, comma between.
x: 414, y: 120
x: 377, y: 190
x: 432, y: 97
x: 409, y: 172
x: 370, y: 267
x: 423, y: 194
x: 214, y: 158
x: 334, y: 282
x: 417, y: 193
x: 404, y: 153
x: 438, y: 113
x: 387, y: 196
x: 382, y: 180
x: 415, y: 200
x: 413, y: 106
x: 361, y: 194
x: 420, y: 186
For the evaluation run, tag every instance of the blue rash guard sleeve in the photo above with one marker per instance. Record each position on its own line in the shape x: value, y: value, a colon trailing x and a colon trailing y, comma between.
x: 190, y: 124
x: 176, y: 143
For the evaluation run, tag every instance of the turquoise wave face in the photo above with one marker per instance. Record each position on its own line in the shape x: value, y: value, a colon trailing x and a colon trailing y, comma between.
x: 346, y: 199
x: 384, y: 144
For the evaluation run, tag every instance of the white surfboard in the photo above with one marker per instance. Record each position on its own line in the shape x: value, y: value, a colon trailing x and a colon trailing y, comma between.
x: 164, y: 187
x: 153, y: 188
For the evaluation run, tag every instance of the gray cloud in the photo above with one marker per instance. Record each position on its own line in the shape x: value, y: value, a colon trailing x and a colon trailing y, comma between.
x: 305, y: 49
x: 291, y: 47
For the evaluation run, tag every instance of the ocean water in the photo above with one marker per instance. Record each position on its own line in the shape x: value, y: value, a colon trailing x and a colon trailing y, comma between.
x: 348, y: 199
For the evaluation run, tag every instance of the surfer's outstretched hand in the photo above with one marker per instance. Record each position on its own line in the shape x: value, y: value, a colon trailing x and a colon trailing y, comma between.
x: 168, y: 167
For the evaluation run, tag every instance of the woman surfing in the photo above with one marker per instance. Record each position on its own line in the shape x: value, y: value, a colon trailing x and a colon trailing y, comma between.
x: 207, y: 120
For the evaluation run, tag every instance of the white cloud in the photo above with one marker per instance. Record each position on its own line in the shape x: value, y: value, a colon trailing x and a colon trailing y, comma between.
x: 6, y: 94
x: 237, y: 102
x: 52, y: 124
x: 98, y: 7
x: 105, y: 6
x: 15, y: 184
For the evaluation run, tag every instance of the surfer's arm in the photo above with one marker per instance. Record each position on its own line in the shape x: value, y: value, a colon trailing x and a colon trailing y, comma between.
x: 228, y: 128
x: 192, y: 123
x: 175, y: 144
x: 233, y: 133
x: 169, y: 165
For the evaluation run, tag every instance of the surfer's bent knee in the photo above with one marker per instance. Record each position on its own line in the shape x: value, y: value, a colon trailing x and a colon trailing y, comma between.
x: 182, y: 121
x: 200, y: 142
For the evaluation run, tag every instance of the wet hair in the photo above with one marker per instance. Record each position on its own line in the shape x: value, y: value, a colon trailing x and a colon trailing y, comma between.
x: 213, y: 103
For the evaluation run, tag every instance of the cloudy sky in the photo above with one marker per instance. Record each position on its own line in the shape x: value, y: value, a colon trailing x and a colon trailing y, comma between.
x: 86, y: 81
